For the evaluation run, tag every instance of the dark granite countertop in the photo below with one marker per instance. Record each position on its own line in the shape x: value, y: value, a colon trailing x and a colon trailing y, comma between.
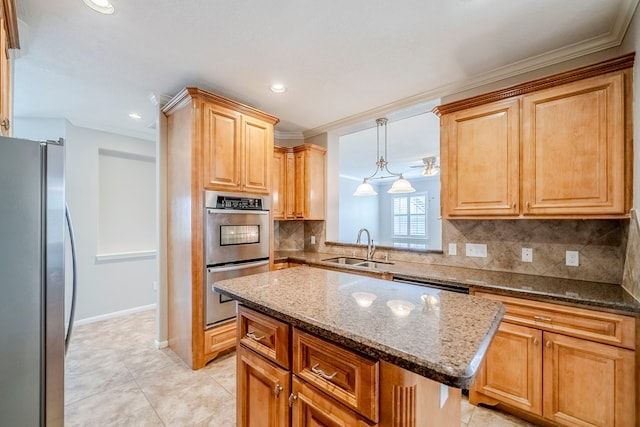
x: 610, y: 297
x: 437, y: 334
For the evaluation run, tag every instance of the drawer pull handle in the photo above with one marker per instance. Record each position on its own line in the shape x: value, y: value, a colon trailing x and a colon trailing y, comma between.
x: 544, y: 319
x: 322, y: 373
x: 277, y: 389
x: 253, y: 336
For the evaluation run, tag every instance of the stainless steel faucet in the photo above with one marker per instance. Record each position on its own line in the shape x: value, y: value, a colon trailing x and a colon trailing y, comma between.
x: 371, y: 247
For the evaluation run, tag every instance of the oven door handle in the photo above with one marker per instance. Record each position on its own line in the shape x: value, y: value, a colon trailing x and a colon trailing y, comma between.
x: 236, y: 267
x: 213, y: 211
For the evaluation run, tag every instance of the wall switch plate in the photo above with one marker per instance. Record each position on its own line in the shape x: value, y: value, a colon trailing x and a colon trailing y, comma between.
x: 527, y: 255
x: 476, y: 250
x: 573, y: 258
x: 453, y: 249
x: 313, y: 240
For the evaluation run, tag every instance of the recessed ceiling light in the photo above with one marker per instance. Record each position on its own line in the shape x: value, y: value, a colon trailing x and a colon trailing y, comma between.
x: 103, y: 6
x: 135, y: 116
x: 278, y: 88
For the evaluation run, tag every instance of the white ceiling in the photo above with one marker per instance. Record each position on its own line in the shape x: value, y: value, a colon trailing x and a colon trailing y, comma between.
x: 339, y: 60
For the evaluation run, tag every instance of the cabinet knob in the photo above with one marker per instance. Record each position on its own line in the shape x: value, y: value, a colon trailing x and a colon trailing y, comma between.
x: 527, y: 205
x: 5, y: 124
x: 277, y: 389
x: 514, y: 205
x: 549, y: 344
x: 292, y: 399
x: 535, y: 341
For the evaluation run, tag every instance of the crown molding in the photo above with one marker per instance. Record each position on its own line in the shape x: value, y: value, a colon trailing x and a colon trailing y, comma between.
x: 288, y: 135
x: 605, y: 41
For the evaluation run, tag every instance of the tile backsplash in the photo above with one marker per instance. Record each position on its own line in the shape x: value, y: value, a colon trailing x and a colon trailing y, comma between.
x: 631, y: 275
x: 601, y: 245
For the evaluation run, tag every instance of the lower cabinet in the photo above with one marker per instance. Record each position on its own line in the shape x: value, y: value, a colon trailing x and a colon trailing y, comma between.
x: 568, y: 380
x: 328, y: 384
x: 263, y: 389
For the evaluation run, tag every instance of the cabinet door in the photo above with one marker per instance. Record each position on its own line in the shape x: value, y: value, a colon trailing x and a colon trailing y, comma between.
x: 258, y: 151
x: 310, y: 177
x: 512, y: 369
x: 262, y: 391
x: 311, y: 408
x: 290, y: 185
x: 573, y: 148
x: 587, y: 383
x: 6, y: 123
x: 279, y: 183
x: 480, y: 160
x: 300, y: 167
x: 222, y: 148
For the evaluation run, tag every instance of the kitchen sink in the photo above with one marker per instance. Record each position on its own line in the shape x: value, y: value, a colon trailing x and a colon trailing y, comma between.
x: 358, y: 262
x: 345, y: 260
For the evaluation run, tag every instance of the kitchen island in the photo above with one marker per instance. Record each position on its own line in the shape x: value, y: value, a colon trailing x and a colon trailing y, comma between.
x: 428, y: 343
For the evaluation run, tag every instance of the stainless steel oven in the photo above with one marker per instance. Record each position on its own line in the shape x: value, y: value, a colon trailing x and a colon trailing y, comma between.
x: 236, y: 244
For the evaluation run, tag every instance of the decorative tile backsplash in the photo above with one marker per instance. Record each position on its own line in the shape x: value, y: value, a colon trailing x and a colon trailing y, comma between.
x: 601, y: 245
x: 631, y: 276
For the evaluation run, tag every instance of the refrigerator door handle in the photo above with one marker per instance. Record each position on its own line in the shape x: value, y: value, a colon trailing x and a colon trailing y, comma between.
x: 72, y: 313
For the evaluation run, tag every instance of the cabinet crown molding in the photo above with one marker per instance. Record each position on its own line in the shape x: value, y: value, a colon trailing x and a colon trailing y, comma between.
x: 190, y: 93
x: 611, y: 65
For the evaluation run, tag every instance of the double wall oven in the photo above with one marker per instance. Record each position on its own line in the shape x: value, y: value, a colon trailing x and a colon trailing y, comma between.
x: 236, y: 244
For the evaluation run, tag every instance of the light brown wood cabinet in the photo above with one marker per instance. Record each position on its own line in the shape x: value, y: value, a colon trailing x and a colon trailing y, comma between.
x: 237, y: 150
x: 8, y: 40
x: 263, y: 389
x: 330, y: 385
x: 572, y: 366
x: 299, y: 183
x: 558, y: 147
x: 212, y: 143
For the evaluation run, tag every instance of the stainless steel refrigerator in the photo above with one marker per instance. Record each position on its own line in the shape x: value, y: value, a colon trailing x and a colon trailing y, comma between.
x: 32, y: 282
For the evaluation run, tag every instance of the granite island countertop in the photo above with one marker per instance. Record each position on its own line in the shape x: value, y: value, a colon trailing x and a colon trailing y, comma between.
x: 437, y: 334
x: 606, y: 296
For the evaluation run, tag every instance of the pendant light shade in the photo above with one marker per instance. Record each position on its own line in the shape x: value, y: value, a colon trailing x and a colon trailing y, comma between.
x: 401, y: 185
x: 365, y: 189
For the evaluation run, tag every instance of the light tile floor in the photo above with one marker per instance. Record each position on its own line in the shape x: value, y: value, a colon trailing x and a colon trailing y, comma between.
x: 115, y: 377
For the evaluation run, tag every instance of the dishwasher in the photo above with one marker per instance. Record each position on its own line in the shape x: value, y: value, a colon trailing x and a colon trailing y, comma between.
x: 461, y: 289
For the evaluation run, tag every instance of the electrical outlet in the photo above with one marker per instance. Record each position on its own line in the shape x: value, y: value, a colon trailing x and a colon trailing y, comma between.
x: 573, y: 258
x: 476, y: 250
x: 527, y: 255
x: 453, y: 249
x: 313, y: 240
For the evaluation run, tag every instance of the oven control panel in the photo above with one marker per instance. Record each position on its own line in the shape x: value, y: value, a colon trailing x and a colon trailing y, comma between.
x: 239, y: 203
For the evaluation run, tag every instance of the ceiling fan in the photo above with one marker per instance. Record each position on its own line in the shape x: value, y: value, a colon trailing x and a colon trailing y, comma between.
x: 430, y: 165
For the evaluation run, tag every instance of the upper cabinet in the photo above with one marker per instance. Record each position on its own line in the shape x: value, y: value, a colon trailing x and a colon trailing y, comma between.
x: 558, y: 147
x: 8, y: 40
x: 299, y: 182
x: 237, y: 150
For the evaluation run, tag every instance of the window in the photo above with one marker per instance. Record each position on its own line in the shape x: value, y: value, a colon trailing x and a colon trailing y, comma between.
x: 410, y: 216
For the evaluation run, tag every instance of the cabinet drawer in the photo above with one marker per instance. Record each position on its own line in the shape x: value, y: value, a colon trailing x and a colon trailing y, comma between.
x: 592, y: 325
x: 265, y: 335
x: 219, y: 338
x: 312, y: 407
x: 348, y: 377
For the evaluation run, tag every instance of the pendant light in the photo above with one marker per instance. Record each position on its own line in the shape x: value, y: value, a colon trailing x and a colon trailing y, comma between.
x: 400, y: 185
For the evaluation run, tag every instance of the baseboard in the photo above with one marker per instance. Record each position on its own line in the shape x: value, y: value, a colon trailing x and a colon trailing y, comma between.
x: 113, y: 315
x: 161, y: 344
